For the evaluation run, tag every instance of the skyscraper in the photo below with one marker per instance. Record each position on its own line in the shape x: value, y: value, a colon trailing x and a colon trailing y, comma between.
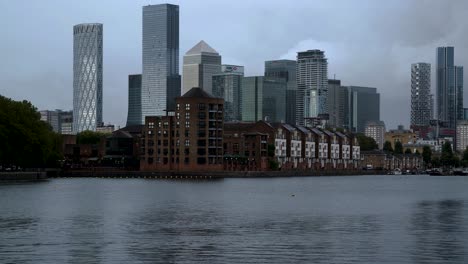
x: 200, y: 64
x: 52, y: 118
x: 274, y: 100
x: 160, y: 76
x: 312, y: 85
x: 285, y: 70
x: 337, y: 101
x: 227, y: 85
x: 420, y: 94
x: 87, y: 77
x: 363, y: 105
x: 449, y: 88
x: 252, y: 98
x: 134, y: 100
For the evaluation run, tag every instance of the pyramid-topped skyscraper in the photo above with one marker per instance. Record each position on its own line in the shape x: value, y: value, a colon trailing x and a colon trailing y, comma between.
x: 200, y: 64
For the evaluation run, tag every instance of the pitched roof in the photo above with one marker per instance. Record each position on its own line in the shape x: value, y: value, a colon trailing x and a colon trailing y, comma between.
x: 202, y: 46
x: 198, y: 93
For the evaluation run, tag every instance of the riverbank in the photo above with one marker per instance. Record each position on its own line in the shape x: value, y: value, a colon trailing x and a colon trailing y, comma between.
x: 213, y: 175
x: 23, y: 176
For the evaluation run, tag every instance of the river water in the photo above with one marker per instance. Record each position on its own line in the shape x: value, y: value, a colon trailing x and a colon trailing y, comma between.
x: 352, y: 219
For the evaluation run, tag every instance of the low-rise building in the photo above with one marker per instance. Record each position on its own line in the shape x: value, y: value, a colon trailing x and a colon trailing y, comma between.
x: 376, y: 130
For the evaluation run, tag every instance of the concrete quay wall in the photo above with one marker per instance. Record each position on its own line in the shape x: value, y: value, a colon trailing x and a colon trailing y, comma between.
x: 22, y: 176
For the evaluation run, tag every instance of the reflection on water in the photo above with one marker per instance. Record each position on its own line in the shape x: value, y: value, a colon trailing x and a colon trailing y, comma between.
x: 328, y: 220
x: 439, y: 231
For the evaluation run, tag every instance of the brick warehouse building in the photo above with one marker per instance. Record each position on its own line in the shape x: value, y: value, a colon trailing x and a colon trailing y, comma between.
x: 188, y: 139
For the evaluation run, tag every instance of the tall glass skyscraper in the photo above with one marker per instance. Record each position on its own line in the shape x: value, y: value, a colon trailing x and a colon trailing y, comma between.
x: 449, y: 89
x: 160, y: 76
x: 312, y: 85
x: 421, y: 99
x: 87, y: 77
x: 252, y: 98
x: 227, y: 85
x: 134, y: 100
x: 284, y: 70
x: 200, y: 64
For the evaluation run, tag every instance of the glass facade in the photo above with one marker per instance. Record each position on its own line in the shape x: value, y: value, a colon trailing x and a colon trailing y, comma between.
x: 363, y: 105
x: 337, y: 99
x: 227, y: 85
x: 274, y: 100
x: 134, y: 100
x: 200, y: 64
x: 449, y: 89
x: 285, y: 70
x: 252, y: 98
x: 312, y: 85
x: 87, y: 77
x: 160, y: 76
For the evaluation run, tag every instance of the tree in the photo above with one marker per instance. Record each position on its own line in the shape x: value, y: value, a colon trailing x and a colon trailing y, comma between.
x: 271, y: 150
x: 427, y: 154
x: 408, y: 151
x: 398, y: 148
x: 89, y: 137
x: 366, y: 143
x: 465, y: 155
x: 447, y: 158
x: 387, y: 146
x: 417, y: 152
x: 435, y: 162
x: 25, y: 140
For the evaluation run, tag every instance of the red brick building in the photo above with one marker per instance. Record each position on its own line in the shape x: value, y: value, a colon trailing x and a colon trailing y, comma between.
x: 189, y: 139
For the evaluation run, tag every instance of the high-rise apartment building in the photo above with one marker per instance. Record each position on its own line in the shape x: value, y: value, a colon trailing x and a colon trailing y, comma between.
x: 284, y: 70
x: 160, y: 76
x: 87, y: 76
x: 134, y: 100
x: 421, y: 99
x: 200, y: 64
x: 252, y: 98
x: 449, y: 88
x: 337, y: 102
x: 462, y: 135
x: 312, y: 85
x: 227, y: 85
x: 66, y: 122
x: 376, y: 130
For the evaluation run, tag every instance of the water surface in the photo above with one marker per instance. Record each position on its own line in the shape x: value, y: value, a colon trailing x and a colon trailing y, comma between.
x: 352, y: 219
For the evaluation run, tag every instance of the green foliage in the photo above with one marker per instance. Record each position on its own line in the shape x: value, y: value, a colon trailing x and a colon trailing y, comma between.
x: 435, y: 162
x: 271, y: 150
x: 408, y: 151
x: 447, y: 158
x: 366, y: 143
x: 417, y: 153
x: 398, y: 148
x: 25, y: 140
x: 427, y: 154
x: 89, y: 137
x: 387, y: 146
x: 273, y: 164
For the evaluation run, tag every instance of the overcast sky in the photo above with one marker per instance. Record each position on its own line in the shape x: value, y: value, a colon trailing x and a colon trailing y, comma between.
x: 367, y: 43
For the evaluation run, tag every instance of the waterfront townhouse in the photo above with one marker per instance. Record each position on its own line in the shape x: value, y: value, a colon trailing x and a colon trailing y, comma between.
x: 356, y: 152
x: 321, y: 152
x: 308, y: 147
x: 281, y: 146
x: 333, y: 148
x: 344, y: 150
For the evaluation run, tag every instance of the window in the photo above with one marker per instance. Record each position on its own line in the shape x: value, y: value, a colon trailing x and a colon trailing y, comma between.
x: 151, y: 125
x: 186, y: 160
x: 177, y: 107
x: 201, y: 106
x: 187, y: 143
x: 187, y: 124
x: 187, y: 106
x: 201, y: 161
x: 187, y: 115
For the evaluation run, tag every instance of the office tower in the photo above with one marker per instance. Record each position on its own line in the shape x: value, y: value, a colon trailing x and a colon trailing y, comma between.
x: 52, y: 118
x: 449, y: 88
x: 200, y: 64
x: 65, y: 122
x: 420, y: 94
x: 376, y: 130
x: 87, y: 77
x: 285, y: 70
x: 274, y: 100
x: 337, y: 101
x: 160, y: 77
x: 363, y: 105
x: 312, y: 83
x: 252, y: 98
x: 227, y: 85
x: 134, y: 100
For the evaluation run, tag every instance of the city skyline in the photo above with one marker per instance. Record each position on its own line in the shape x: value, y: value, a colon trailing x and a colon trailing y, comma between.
x: 52, y: 74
